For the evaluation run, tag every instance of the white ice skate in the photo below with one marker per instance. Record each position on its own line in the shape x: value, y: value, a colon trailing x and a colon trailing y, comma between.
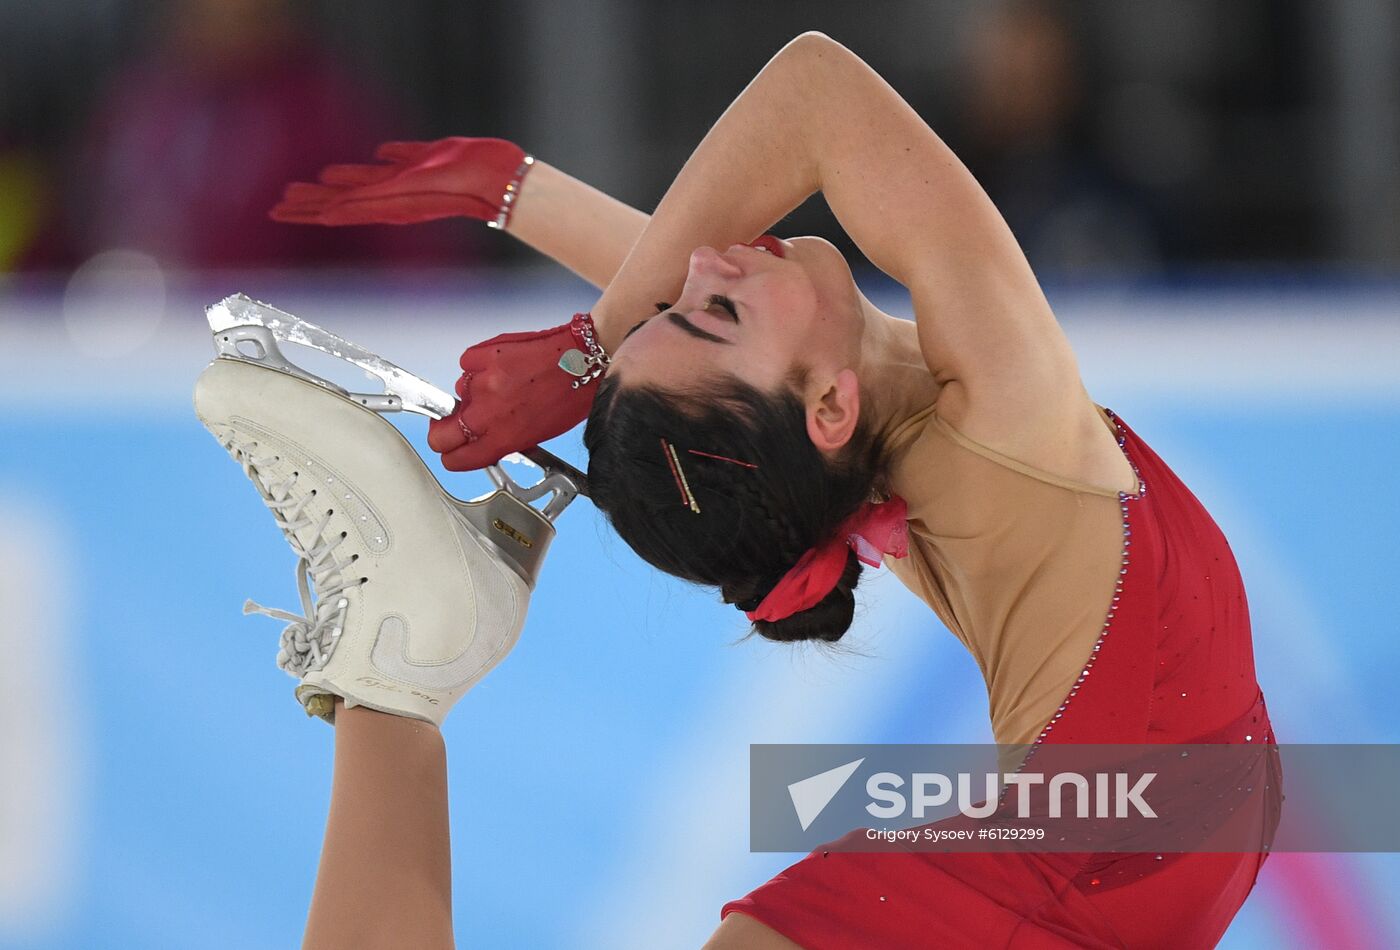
x: 410, y: 595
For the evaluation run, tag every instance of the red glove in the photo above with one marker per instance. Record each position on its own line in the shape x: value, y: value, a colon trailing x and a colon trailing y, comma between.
x: 453, y: 177
x: 514, y: 394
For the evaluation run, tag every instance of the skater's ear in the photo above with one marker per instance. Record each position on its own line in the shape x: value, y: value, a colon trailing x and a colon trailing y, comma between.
x: 833, y: 411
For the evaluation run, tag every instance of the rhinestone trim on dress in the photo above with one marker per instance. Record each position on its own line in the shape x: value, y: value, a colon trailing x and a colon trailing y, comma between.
x: 1123, y: 499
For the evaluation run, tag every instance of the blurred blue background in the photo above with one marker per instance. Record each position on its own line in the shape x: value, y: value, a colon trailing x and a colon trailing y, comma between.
x: 1209, y: 191
x: 163, y: 789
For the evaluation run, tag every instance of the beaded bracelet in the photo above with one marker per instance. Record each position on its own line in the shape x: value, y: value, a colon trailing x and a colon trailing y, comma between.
x: 512, y: 192
x: 590, y: 362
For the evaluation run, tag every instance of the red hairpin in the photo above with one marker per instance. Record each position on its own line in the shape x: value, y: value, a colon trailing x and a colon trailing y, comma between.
x: 722, y: 458
x: 687, y: 496
x: 682, y: 483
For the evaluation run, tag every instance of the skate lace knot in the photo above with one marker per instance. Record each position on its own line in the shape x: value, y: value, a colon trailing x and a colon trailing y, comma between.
x: 308, y: 640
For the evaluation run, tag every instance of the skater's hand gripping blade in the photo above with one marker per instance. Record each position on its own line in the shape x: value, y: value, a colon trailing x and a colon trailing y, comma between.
x: 417, y: 595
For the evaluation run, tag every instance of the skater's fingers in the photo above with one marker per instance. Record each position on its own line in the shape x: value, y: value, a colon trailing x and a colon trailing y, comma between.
x: 295, y: 215
x: 401, y: 151
x: 463, y: 443
x: 458, y: 458
x: 473, y: 456
x: 301, y: 212
x: 357, y: 175
x: 299, y: 207
x: 300, y: 192
x: 446, y: 434
x: 303, y: 205
x: 483, y: 389
x: 473, y: 361
x: 478, y: 358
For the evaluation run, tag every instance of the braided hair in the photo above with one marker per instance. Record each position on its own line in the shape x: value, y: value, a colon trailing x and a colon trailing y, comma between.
x: 763, y: 491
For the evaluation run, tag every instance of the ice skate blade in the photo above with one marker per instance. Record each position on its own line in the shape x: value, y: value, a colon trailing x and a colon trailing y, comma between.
x: 240, y: 323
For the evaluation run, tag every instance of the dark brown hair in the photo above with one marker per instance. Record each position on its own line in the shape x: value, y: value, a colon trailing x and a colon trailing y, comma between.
x: 753, y: 523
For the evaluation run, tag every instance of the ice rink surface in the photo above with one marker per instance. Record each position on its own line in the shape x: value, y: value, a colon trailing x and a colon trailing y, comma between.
x: 161, y: 788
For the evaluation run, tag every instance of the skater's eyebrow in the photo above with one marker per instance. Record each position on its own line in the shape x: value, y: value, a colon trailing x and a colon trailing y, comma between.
x: 680, y: 321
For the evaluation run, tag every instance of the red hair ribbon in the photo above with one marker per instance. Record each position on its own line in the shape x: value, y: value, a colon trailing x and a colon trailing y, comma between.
x: 872, y: 532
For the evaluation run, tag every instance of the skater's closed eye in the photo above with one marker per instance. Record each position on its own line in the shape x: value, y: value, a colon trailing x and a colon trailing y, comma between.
x: 725, y: 304
x: 680, y: 321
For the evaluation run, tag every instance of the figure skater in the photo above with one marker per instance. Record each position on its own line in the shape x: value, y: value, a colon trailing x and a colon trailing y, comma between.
x: 756, y: 425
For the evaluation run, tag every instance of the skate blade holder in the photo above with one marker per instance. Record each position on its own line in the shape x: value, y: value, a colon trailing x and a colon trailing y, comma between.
x: 507, y: 519
x: 561, y: 481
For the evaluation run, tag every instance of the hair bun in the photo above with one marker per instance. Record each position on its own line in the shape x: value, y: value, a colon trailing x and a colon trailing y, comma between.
x: 746, y: 596
x: 827, y: 620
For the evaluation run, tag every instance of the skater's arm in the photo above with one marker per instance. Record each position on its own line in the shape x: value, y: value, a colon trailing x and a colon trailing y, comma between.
x: 385, y: 878
x: 818, y: 118
x: 461, y: 176
x: 748, y: 172
x: 386, y: 865
x: 587, y: 231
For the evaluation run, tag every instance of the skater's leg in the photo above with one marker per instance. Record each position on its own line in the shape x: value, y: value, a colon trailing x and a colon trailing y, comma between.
x: 386, y: 867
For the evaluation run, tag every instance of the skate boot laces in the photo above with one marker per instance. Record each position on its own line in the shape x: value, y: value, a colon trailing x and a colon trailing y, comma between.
x: 309, y: 639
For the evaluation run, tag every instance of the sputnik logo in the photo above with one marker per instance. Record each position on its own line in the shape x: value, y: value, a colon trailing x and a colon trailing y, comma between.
x: 811, y: 795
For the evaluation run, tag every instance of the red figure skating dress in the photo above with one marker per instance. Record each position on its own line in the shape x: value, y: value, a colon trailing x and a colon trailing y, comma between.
x: 1096, y: 617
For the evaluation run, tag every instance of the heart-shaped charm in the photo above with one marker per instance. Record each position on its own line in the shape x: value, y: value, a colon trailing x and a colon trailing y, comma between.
x: 574, y: 362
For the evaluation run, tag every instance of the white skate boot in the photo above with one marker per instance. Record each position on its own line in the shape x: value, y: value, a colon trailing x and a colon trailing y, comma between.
x: 417, y: 595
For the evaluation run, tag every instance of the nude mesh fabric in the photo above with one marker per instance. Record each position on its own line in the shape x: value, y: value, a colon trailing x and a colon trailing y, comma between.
x: 1018, y: 563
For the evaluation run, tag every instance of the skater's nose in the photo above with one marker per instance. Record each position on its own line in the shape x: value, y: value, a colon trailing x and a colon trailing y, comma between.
x: 708, y: 262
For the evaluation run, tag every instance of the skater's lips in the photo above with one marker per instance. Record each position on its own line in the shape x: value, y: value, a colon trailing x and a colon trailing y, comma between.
x: 770, y: 244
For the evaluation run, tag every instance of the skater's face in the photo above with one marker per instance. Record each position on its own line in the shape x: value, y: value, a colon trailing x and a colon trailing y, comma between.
x: 753, y: 315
